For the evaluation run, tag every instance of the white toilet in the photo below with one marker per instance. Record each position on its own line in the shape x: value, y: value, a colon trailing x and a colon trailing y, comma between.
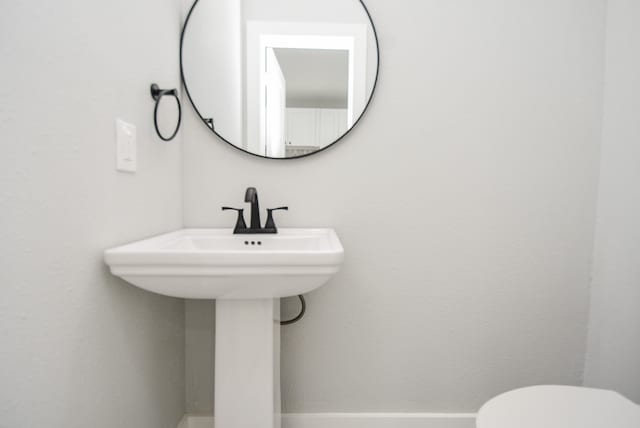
x: 559, y: 407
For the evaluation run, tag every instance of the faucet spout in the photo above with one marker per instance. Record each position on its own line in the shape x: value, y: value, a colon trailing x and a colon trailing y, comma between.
x: 251, y: 196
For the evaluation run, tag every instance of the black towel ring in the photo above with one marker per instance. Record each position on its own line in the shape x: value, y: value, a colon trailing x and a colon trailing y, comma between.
x: 157, y: 94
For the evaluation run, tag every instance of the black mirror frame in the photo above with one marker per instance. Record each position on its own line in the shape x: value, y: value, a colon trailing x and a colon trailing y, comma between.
x: 208, y: 122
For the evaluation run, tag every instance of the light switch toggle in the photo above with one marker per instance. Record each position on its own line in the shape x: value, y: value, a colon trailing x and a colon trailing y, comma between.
x: 126, y: 146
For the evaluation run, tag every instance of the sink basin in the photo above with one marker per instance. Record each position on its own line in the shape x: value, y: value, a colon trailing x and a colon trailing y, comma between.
x: 216, y: 264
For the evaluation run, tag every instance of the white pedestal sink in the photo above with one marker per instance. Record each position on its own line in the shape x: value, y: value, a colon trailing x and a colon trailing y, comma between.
x: 246, y: 274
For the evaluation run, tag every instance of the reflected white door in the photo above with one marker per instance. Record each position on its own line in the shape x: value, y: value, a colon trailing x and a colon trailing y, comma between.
x: 301, y: 127
x: 275, y: 104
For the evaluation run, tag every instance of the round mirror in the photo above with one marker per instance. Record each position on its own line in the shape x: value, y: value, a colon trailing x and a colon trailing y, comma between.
x: 279, y: 78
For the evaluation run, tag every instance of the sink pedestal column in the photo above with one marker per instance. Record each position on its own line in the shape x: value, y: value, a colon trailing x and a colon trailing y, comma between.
x: 247, y: 364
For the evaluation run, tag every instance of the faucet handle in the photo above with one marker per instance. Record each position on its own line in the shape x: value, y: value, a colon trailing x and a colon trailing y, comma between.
x: 270, y: 224
x: 240, y: 224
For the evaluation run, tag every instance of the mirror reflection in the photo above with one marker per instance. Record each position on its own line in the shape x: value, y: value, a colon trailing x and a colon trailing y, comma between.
x: 279, y: 78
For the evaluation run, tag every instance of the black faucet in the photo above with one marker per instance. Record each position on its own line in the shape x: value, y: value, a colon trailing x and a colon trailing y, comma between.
x: 251, y: 196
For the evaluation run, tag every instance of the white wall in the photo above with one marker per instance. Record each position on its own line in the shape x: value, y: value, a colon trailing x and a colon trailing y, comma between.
x: 81, y: 348
x: 613, y: 358
x: 465, y: 202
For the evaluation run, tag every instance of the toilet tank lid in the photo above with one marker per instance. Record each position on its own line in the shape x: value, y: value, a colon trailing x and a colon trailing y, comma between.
x: 555, y: 406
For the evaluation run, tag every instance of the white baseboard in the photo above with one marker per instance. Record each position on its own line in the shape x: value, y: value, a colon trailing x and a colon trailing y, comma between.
x: 356, y: 420
x: 378, y: 420
x: 193, y: 421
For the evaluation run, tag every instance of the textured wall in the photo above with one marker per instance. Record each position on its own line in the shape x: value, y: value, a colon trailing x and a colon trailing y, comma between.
x: 81, y: 348
x: 613, y: 357
x: 465, y: 202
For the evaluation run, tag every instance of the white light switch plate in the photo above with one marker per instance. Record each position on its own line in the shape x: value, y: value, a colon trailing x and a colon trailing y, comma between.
x: 126, y: 146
